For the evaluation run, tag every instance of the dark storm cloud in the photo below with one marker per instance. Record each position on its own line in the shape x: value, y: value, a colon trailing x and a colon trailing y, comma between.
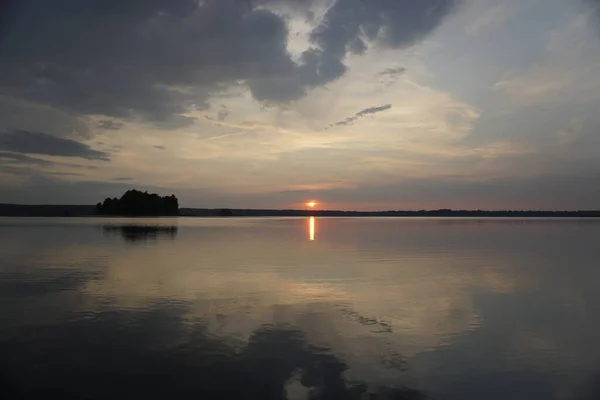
x: 160, y: 59
x: 395, y: 23
x: 350, y: 26
x: 153, y: 59
x: 110, y: 125
x: 360, y: 114
x: 19, y: 141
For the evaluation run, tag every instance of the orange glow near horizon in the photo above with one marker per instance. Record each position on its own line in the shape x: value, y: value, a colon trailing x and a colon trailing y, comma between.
x: 312, y: 204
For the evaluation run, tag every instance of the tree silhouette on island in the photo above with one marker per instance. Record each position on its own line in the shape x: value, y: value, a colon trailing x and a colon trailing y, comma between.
x: 138, y: 203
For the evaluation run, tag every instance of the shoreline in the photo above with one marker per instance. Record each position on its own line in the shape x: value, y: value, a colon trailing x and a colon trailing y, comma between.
x: 23, y: 210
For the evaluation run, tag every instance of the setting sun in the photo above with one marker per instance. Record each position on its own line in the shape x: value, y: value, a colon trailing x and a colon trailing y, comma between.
x: 311, y: 204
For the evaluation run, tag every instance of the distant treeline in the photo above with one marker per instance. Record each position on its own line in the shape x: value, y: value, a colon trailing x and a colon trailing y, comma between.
x: 137, y: 203
x: 199, y: 212
x: 87, y: 210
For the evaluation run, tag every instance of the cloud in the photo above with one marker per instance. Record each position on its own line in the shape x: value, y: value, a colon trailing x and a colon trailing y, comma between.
x: 65, y: 174
x: 110, y: 125
x: 553, y: 191
x: 595, y: 4
x: 493, y: 15
x: 123, y: 179
x: 391, y: 75
x: 9, y: 169
x: 360, y: 114
x: 19, y: 164
x: 29, y: 116
x: 393, y: 72
x: 540, y: 86
x: 16, y: 158
x: 22, y: 164
x: 569, y: 134
x: 160, y: 147
x: 223, y: 113
x: 565, y: 73
x: 159, y: 61
x: 351, y: 26
x: 19, y: 141
x: 58, y: 191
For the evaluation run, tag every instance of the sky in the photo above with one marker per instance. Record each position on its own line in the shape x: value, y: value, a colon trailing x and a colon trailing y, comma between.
x: 359, y: 105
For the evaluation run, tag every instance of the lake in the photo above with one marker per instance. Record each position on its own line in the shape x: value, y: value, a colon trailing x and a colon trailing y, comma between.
x: 299, y: 308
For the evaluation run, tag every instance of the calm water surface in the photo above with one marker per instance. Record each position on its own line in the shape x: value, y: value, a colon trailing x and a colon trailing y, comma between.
x: 299, y: 309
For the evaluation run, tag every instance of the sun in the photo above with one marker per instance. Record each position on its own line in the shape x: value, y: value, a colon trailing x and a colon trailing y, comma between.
x: 311, y: 204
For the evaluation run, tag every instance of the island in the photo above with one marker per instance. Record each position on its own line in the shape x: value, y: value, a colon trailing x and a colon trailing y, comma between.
x: 138, y: 203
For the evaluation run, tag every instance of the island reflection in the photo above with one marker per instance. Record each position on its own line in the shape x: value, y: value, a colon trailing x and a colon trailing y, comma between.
x: 141, y: 233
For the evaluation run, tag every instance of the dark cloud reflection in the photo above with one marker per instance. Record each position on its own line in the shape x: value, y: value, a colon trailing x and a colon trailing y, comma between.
x: 154, y: 354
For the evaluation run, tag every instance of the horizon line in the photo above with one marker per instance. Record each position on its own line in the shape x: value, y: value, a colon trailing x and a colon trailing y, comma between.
x: 329, y: 210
